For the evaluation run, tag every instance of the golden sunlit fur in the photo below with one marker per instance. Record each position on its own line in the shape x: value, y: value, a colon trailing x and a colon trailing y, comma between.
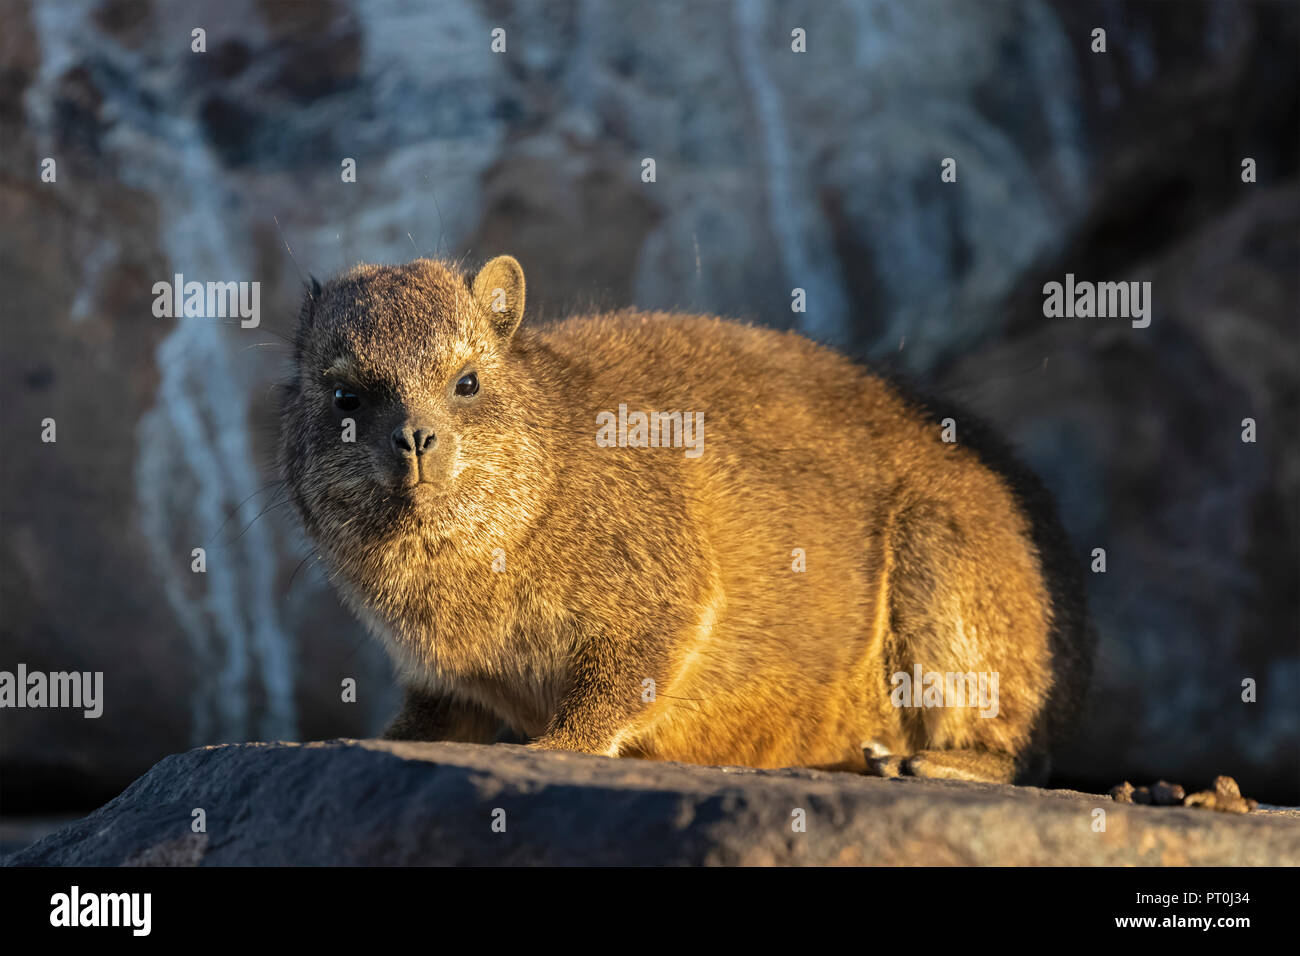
x: 640, y: 602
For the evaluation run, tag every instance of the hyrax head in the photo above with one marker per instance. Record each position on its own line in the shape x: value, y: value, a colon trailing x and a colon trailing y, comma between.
x: 408, y: 414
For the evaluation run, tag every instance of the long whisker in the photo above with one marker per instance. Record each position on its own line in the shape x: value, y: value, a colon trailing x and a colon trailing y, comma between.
x: 270, y: 507
x: 236, y: 509
x: 301, y: 277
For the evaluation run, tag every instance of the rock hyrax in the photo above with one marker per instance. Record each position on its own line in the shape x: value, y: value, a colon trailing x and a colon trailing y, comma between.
x: 674, y: 537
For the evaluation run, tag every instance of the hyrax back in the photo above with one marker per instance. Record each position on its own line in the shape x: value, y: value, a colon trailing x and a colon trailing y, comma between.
x: 749, y: 592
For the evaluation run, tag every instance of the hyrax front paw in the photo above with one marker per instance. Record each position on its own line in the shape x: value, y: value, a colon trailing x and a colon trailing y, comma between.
x: 974, y: 765
x: 880, y: 762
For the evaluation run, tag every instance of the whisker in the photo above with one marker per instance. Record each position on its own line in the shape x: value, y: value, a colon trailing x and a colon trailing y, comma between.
x: 271, y: 507
x: 235, y: 510
x: 289, y: 587
x: 442, y: 230
x: 354, y: 650
x: 301, y: 277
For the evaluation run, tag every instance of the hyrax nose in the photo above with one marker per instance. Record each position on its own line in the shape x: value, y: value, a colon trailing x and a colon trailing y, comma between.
x: 412, y: 441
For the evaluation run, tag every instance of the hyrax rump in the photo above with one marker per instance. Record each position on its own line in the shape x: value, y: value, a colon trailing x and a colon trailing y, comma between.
x: 748, y: 592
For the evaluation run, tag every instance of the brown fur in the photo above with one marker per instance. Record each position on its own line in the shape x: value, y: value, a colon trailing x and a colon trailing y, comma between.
x: 628, y: 564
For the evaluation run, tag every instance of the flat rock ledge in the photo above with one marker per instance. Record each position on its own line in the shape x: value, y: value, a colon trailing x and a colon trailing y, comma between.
x: 374, y: 802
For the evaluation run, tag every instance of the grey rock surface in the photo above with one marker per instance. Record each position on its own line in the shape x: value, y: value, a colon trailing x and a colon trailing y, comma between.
x: 371, y: 802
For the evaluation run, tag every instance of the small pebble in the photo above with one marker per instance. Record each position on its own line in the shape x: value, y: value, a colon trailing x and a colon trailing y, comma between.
x: 1166, y: 794
x: 1225, y: 797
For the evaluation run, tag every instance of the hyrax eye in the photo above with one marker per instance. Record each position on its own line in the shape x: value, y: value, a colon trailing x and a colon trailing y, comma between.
x: 467, y: 385
x: 346, y: 401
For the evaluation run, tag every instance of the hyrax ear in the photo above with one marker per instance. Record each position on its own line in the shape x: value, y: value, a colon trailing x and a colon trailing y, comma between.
x: 499, y: 291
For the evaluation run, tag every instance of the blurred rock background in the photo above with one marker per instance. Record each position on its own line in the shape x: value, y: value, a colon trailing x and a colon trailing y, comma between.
x: 774, y: 170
